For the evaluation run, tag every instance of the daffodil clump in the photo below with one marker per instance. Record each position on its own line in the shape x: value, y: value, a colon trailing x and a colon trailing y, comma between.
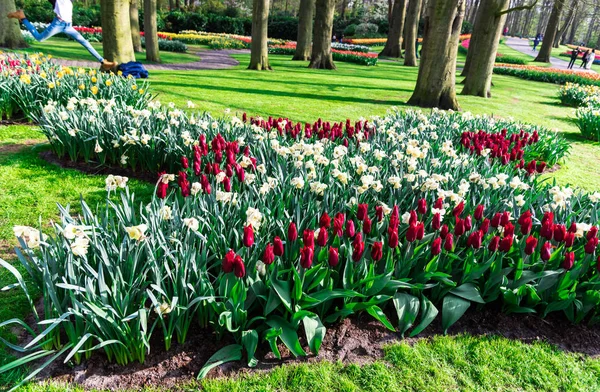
x: 28, y: 82
x: 573, y: 94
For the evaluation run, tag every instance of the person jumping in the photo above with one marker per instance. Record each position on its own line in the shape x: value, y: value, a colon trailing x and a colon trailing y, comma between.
x: 62, y: 23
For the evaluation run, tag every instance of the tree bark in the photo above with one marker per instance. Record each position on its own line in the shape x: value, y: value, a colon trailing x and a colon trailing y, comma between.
x: 571, y: 37
x: 590, y: 30
x: 551, y: 29
x: 321, y: 57
x: 543, y: 20
x: 134, y: 17
x: 151, y: 31
x: 562, y: 31
x: 259, y: 49
x: 524, y: 32
x: 116, y: 31
x: 10, y: 32
x: 411, y: 32
x: 393, y: 45
x: 488, y: 30
x: 305, y: 30
x: 436, y: 80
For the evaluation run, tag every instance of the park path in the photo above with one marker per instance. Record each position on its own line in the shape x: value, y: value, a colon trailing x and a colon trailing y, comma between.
x: 522, y: 45
x: 209, y: 59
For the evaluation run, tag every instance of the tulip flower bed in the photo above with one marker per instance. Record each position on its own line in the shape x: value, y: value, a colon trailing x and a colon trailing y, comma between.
x: 548, y: 75
x: 362, y: 58
x: 588, y: 121
x: 350, y: 47
x: 572, y: 94
x: 27, y: 83
x: 268, y: 231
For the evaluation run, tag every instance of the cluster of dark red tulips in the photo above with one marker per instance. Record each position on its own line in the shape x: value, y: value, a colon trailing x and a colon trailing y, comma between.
x: 468, y: 232
x: 503, y: 147
x: 321, y: 129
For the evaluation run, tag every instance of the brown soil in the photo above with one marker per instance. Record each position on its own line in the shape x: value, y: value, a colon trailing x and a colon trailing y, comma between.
x: 97, y: 169
x: 356, y: 340
x: 7, y: 149
x: 552, y: 169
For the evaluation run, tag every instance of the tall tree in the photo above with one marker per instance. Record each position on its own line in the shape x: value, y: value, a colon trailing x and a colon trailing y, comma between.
x: 259, y: 49
x: 116, y: 31
x: 10, y: 32
x: 411, y: 32
x: 551, y: 29
x: 393, y: 45
x: 562, y: 30
x: 305, y: 30
x: 134, y: 17
x: 436, y: 81
x: 151, y: 31
x: 321, y: 57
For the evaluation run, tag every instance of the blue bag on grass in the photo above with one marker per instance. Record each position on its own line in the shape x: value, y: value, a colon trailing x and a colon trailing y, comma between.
x: 133, y: 68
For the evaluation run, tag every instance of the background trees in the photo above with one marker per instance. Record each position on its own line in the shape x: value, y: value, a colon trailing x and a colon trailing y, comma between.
x: 393, y: 45
x: 10, y: 33
x: 321, y: 51
x: 259, y: 55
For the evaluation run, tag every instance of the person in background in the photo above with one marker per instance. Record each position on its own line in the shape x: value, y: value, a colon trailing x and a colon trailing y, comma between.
x: 505, y: 31
x: 334, y: 38
x: 574, y: 54
x: 590, y: 60
x: 536, y: 42
x: 62, y: 23
x: 584, y: 60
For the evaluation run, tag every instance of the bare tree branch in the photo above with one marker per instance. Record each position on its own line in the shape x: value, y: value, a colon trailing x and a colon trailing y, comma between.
x: 519, y: 8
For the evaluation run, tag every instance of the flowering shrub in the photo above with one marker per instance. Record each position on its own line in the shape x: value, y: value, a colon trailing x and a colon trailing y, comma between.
x: 350, y: 47
x: 338, y: 55
x: 549, y: 75
x: 29, y: 82
x: 168, y: 45
x: 572, y: 94
x: 588, y: 121
x: 268, y: 232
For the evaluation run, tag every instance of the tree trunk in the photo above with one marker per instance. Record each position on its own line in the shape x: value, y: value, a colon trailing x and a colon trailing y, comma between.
x: 524, y: 32
x: 259, y: 49
x: 10, y: 32
x: 546, y: 49
x: 116, y: 31
x: 410, y: 32
x: 590, y: 30
x: 393, y: 45
x: 488, y: 31
x: 562, y: 31
x: 472, y: 42
x: 321, y: 57
x: 342, y: 11
x: 436, y: 81
x: 543, y: 16
x: 134, y: 17
x: 305, y: 30
x: 571, y: 37
x: 151, y: 31
x: 390, y: 11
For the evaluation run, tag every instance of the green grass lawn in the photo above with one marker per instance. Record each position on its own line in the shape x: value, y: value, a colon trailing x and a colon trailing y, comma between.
x: 62, y: 48
x: 31, y: 187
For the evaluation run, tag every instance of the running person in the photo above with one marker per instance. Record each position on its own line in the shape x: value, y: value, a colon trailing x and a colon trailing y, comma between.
x: 62, y: 23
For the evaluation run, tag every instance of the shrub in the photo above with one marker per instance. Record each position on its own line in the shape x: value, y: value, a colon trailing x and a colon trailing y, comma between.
x: 350, y: 30
x: 588, y: 121
x: 506, y: 59
x: 169, y: 45
x: 575, y: 95
x: 225, y: 24
x: 283, y: 28
x: 366, y: 30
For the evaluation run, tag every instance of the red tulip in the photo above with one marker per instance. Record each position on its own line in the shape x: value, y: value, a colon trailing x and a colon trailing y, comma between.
x: 411, y: 233
x: 569, y: 239
x: 496, y: 219
x: 420, y: 231
x: 184, y: 162
x: 413, y: 217
x: 322, y: 237
x: 444, y: 231
x: 485, y: 226
x: 292, y: 233
x: 546, y: 251
x: 569, y: 260
x: 449, y: 242
x: 379, y: 213
x: 439, y: 203
x: 548, y: 218
x: 350, y: 231
x: 505, y: 218
x: 422, y: 206
x: 526, y: 226
x: 228, y: 261
x: 338, y: 224
x: 509, y: 230
x: 530, y: 245
x: 506, y: 244
x: 494, y: 243
x: 525, y: 215
x: 393, y: 238
x: 239, y: 269
x: 325, y: 221
x: 239, y: 171
x: 478, y: 212
x: 560, y: 231
x: 592, y: 233
x: 547, y: 230
x: 377, y: 251
x: 277, y: 246
x: 268, y: 255
x: 540, y: 167
x: 308, y: 238
x: 367, y: 225
x: 363, y: 210
x: 573, y: 228
x: 248, y: 236
x: 591, y: 245
x: 436, y: 246
x: 333, y: 257
x: 468, y: 223
x: 306, y: 257
x: 436, y: 222
x: 459, y: 227
x: 458, y: 209
x: 358, y: 247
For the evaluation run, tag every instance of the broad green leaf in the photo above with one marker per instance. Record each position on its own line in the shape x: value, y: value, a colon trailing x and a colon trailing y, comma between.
x: 469, y: 292
x: 315, y: 332
x: 407, y: 308
x: 250, y: 342
x: 376, y: 312
x: 428, y: 313
x: 289, y: 336
x: 230, y: 353
x: 453, y: 308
